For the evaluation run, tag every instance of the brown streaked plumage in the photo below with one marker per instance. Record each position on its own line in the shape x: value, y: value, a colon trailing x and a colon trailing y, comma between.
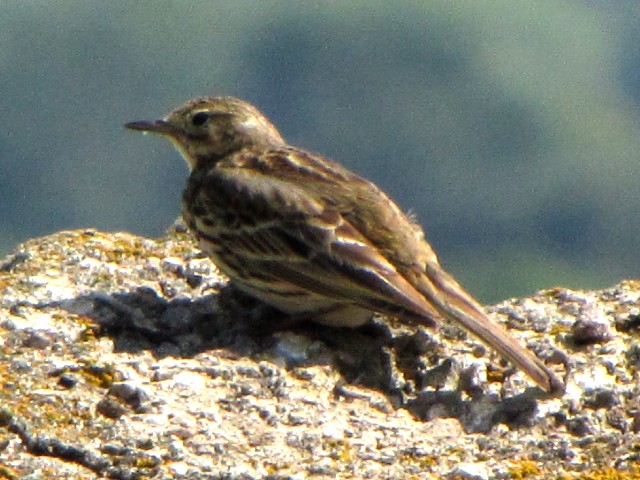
x: 310, y: 237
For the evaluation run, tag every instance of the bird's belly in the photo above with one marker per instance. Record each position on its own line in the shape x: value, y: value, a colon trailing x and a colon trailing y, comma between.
x: 303, y: 303
x: 283, y: 295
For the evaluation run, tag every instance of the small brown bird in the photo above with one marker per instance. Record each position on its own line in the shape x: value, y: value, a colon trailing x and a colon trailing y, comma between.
x: 309, y: 237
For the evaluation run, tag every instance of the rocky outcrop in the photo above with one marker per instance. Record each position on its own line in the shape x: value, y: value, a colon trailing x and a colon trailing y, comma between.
x: 125, y: 357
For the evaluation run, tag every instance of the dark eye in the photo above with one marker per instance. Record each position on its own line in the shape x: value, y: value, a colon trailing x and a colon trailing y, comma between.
x: 199, y: 118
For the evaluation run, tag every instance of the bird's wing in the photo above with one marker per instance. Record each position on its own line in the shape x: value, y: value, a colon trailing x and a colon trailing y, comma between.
x: 294, y: 225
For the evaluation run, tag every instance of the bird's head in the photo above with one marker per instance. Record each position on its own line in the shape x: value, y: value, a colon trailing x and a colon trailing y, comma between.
x: 207, y: 129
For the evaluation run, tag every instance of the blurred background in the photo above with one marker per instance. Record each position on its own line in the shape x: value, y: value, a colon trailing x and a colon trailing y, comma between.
x: 512, y: 129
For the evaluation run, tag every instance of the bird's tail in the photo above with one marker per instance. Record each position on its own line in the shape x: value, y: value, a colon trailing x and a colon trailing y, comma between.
x: 455, y: 304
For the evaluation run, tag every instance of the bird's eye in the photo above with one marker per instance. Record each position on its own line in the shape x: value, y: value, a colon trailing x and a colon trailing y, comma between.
x: 199, y: 119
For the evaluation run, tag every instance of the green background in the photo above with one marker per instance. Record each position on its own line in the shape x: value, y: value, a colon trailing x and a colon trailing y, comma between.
x: 510, y: 128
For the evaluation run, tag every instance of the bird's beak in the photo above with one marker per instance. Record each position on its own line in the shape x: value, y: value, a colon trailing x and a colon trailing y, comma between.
x: 159, y: 126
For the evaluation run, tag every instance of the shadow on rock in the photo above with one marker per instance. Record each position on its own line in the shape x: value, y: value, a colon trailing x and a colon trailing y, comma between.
x: 406, y: 364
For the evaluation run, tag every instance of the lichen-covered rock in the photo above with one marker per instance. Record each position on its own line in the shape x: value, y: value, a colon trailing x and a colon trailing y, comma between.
x: 129, y: 358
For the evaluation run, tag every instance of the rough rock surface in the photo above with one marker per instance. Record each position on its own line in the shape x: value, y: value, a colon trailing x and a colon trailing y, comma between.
x: 124, y: 357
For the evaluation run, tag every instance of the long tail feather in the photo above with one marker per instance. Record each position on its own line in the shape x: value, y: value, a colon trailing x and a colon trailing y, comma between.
x: 454, y: 303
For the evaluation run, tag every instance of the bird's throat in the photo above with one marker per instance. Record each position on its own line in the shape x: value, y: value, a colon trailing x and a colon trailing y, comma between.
x: 191, y: 160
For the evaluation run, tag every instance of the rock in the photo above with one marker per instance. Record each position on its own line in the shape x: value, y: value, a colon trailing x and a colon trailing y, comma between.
x: 126, y: 357
x: 469, y: 471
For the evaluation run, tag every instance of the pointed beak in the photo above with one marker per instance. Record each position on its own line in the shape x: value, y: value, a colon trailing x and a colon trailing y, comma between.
x: 159, y: 126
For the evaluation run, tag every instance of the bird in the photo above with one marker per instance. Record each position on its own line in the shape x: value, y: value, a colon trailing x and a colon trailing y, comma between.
x: 306, y: 235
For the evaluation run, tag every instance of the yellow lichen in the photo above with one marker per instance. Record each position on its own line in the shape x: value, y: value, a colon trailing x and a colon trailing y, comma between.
x: 8, y: 473
x: 101, y: 376
x: 525, y: 469
x: 610, y: 473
